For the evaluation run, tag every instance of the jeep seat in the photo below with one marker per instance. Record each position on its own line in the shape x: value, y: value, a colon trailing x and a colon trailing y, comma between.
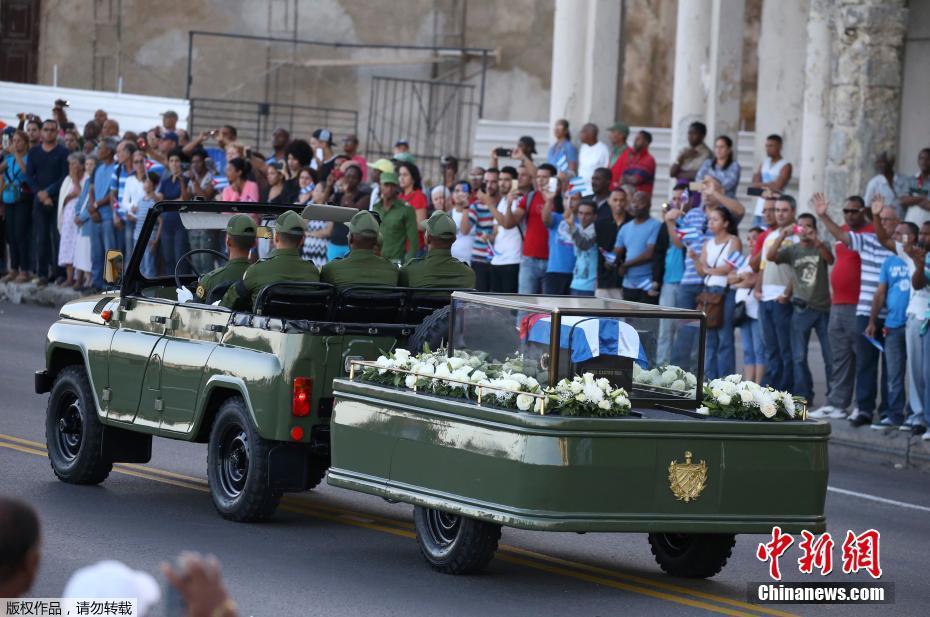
x: 294, y: 300
x: 370, y: 304
x: 422, y: 301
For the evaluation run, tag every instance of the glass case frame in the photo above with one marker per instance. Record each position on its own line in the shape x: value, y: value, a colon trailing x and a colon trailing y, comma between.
x: 559, y: 307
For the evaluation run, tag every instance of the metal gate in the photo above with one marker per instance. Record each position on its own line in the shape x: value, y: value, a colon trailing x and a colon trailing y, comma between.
x: 435, y: 117
x: 256, y: 121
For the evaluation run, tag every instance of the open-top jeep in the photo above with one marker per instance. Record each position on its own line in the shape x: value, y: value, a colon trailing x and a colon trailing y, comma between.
x: 125, y: 366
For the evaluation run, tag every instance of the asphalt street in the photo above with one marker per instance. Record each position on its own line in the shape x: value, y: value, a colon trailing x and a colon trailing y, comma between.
x: 335, y: 552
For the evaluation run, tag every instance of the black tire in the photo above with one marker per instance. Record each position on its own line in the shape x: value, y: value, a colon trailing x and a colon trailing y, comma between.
x: 432, y: 331
x: 692, y: 555
x: 237, y: 466
x: 454, y: 544
x: 73, y: 433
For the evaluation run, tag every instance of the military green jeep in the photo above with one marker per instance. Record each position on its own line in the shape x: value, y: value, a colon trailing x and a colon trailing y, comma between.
x: 128, y: 365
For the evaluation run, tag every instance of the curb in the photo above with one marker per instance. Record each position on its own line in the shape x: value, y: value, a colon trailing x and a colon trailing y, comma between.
x: 890, y: 445
x: 30, y: 293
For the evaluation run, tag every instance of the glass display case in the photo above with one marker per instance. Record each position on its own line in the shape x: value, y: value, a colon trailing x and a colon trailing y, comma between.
x: 656, y: 353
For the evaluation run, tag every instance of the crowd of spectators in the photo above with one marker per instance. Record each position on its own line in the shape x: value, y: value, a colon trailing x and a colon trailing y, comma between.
x: 581, y: 220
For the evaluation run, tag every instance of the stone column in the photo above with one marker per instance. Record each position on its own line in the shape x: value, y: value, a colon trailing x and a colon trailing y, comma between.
x: 585, y: 62
x: 692, y: 49
x: 865, y: 94
x: 725, y: 67
x: 812, y: 162
x: 781, y: 83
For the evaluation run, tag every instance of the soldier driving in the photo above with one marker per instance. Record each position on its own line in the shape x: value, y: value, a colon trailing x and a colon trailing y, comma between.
x: 240, y: 237
x: 284, y: 264
x: 439, y: 268
x: 361, y: 266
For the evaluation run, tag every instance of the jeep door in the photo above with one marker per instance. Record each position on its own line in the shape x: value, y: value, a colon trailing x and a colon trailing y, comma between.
x: 197, y: 330
x: 142, y: 322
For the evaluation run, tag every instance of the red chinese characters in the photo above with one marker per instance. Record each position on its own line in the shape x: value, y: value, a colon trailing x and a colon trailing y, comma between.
x: 817, y: 553
x: 771, y: 551
x: 861, y: 553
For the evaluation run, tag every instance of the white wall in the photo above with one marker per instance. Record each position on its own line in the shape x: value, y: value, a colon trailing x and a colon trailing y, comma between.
x: 134, y: 112
x: 915, y: 91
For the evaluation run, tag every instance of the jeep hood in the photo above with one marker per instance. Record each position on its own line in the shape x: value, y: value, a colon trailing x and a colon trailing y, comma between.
x: 88, y: 308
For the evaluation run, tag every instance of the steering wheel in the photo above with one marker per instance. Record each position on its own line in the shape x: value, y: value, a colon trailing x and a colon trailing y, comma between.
x: 187, y: 257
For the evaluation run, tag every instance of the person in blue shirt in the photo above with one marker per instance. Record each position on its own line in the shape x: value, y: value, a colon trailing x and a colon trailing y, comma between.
x: 100, y: 210
x: 894, y: 294
x: 579, y: 227
x: 562, y: 154
x: 634, y: 247
x: 558, y: 278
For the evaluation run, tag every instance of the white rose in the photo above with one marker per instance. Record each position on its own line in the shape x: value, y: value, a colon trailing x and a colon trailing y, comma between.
x: 690, y: 379
x: 745, y: 396
x: 424, y: 369
x: 456, y: 363
x: 605, y: 405
x: 442, y: 371
x: 520, y: 378
x: 637, y: 371
x: 716, y: 393
x: 768, y: 410
x: 401, y: 355
x: 575, y: 387
x: 724, y: 399
x: 478, y: 376
x: 580, y: 398
x: 704, y: 411
x: 734, y: 378
x: 678, y: 384
x: 622, y: 402
x: 524, y: 402
x: 603, y: 384
x: 728, y: 388
x: 669, y: 376
x: 410, y: 381
x: 593, y: 393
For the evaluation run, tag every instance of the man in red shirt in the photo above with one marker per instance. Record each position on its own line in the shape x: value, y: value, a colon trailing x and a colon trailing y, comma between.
x: 843, y: 331
x: 528, y: 214
x: 640, y: 168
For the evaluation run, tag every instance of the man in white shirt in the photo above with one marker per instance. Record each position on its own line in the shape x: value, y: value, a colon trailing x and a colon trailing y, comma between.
x: 508, y: 243
x: 591, y: 155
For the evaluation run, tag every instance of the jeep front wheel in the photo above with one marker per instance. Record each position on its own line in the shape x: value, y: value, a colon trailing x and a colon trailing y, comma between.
x: 692, y: 555
x: 454, y: 544
x: 73, y: 433
x: 237, y: 466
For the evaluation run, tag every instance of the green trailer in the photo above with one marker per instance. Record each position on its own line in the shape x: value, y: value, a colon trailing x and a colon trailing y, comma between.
x: 689, y: 480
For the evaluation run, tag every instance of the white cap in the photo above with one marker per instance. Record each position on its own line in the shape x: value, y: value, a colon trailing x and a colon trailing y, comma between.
x: 114, y: 579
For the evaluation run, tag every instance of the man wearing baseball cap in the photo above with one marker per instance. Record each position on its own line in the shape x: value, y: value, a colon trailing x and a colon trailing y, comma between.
x: 439, y: 268
x: 398, y: 222
x: 284, y: 264
x: 374, y: 174
x: 240, y: 237
x: 361, y: 266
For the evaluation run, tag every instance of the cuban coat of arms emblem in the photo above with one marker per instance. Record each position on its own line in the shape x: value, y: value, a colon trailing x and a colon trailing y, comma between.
x: 687, y: 479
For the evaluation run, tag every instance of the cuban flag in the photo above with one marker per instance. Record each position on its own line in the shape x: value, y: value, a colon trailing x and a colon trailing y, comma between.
x: 590, y: 337
x: 688, y: 234
x: 155, y: 166
x: 609, y: 256
x: 561, y: 164
x: 737, y: 260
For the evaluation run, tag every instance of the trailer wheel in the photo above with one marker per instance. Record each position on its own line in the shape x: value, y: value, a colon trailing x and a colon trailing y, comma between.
x: 692, y: 555
x: 237, y: 466
x: 454, y: 544
x: 73, y: 433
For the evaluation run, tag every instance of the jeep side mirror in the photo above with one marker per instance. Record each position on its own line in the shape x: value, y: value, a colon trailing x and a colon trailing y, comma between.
x: 113, y: 268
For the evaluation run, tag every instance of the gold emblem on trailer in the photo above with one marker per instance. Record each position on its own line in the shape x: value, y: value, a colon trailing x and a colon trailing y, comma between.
x: 687, y: 479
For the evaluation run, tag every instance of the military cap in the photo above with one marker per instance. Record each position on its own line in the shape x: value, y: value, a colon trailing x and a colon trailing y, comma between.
x: 290, y: 223
x: 388, y: 177
x: 364, y: 223
x: 440, y: 225
x: 619, y: 127
x: 240, y: 225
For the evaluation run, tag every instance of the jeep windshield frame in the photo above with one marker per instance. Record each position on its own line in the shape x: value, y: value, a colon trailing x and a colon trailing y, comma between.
x: 570, y: 312
x: 134, y: 281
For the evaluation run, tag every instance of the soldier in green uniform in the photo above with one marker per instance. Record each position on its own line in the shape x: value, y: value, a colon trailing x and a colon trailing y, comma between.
x: 439, y: 268
x: 240, y: 236
x: 284, y: 264
x: 361, y: 266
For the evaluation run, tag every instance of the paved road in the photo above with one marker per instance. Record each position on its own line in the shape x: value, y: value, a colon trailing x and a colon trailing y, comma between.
x: 334, y: 552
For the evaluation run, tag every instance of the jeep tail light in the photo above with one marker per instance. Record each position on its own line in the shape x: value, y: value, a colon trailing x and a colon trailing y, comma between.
x: 303, y: 393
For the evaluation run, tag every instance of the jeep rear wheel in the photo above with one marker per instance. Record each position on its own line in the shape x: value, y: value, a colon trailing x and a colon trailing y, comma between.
x: 454, y: 544
x: 237, y: 466
x: 73, y: 433
x: 692, y: 555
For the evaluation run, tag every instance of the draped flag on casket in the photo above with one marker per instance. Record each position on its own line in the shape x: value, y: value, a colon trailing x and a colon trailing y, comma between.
x: 587, y: 337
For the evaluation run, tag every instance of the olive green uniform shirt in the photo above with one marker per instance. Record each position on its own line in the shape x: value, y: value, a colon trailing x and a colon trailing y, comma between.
x: 283, y: 265
x: 230, y: 272
x: 399, y: 228
x: 438, y: 269
x: 359, y: 267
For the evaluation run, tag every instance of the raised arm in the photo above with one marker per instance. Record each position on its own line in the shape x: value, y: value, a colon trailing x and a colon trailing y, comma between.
x: 877, y: 205
x: 821, y: 205
x: 670, y: 217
